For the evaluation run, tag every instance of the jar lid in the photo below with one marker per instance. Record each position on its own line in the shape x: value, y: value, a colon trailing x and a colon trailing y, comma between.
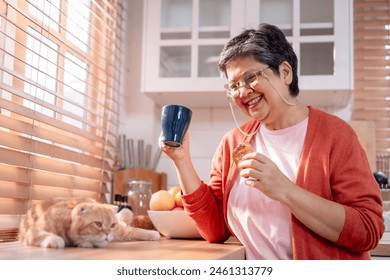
x: 139, y: 181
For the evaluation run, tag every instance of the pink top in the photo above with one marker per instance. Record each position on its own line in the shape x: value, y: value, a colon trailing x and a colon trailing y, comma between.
x: 270, y: 236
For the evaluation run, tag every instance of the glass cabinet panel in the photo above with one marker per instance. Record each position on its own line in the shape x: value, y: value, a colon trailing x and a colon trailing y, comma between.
x: 176, y: 19
x: 278, y: 12
x: 208, y: 61
x: 214, y: 18
x: 175, y: 61
x: 317, y: 21
x: 188, y: 33
x: 317, y: 17
x: 317, y: 58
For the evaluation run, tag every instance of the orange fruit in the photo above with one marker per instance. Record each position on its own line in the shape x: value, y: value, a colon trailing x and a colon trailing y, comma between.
x: 178, y: 200
x: 174, y: 190
x: 162, y: 200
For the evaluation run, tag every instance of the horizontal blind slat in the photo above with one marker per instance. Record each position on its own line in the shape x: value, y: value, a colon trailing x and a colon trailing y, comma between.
x: 33, y: 115
x: 36, y: 130
x: 54, y: 108
x: 45, y: 149
x: 26, y: 160
x: 54, y: 180
x: 57, y: 36
x: 97, y: 74
x: 23, y: 192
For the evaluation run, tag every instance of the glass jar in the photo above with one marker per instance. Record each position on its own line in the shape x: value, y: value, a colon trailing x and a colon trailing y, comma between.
x: 138, y: 195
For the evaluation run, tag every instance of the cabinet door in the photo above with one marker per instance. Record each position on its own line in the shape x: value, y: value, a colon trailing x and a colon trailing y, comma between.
x: 320, y: 32
x: 183, y: 41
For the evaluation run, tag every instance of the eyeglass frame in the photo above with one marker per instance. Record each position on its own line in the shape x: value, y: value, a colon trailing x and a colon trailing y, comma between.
x: 241, y: 84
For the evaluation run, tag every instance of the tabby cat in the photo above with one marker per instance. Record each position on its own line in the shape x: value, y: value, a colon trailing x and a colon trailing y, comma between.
x: 78, y: 222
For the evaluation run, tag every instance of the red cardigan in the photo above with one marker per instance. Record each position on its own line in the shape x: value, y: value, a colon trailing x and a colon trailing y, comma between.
x: 333, y: 165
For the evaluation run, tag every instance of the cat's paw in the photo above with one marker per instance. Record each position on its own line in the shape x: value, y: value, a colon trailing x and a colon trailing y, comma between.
x: 154, y: 235
x: 92, y: 244
x: 53, y: 241
x: 100, y: 244
x: 85, y: 244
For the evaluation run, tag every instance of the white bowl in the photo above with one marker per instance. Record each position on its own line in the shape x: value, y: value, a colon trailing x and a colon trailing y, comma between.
x: 174, y: 224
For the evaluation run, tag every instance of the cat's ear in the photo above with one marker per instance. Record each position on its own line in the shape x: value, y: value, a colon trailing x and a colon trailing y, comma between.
x: 111, y: 207
x: 114, y: 208
x: 83, y: 210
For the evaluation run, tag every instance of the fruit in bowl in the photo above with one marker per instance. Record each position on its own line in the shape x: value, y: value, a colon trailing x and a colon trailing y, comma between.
x: 162, y: 200
x: 169, y: 217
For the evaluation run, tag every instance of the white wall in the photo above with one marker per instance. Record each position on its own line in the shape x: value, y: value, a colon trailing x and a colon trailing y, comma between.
x: 140, y: 116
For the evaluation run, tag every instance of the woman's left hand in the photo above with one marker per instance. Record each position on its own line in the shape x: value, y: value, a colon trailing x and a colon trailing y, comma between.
x: 263, y: 174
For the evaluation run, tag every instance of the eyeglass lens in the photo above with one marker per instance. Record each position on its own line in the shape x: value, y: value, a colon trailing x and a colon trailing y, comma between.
x: 248, y: 80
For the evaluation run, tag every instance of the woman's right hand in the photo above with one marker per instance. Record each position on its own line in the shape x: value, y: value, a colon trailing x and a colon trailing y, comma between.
x: 188, y: 177
x: 176, y: 153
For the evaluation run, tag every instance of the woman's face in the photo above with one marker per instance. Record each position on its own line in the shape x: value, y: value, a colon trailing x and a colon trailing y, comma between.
x: 264, y: 101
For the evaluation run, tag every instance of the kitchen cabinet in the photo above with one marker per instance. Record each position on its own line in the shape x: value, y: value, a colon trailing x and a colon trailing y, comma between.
x: 183, y: 39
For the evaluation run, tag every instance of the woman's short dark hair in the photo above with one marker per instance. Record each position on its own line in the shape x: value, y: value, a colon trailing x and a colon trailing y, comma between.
x: 267, y: 45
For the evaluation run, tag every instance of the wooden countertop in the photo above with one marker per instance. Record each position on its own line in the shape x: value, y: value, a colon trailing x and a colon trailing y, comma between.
x: 164, y: 249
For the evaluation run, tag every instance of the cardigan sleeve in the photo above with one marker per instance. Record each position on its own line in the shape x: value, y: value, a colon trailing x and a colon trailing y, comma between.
x: 354, y: 186
x: 334, y: 166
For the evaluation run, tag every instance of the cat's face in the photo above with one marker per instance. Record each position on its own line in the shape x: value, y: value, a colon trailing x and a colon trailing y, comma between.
x: 92, y: 225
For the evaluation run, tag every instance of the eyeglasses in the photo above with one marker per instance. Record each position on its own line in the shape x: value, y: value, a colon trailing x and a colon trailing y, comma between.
x: 248, y: 80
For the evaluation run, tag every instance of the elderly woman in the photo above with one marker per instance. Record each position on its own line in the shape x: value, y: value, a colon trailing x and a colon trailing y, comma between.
x: 306, y: 191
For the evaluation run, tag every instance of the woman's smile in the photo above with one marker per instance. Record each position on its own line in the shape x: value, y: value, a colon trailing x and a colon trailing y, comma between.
x: 253, y: 102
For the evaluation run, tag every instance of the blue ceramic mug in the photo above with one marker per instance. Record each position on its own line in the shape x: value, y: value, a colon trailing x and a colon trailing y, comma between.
x: 175, y: 120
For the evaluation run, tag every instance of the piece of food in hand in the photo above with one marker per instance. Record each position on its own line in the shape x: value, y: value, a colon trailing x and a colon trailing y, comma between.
x: 162, y: 200
x: 240, y: 151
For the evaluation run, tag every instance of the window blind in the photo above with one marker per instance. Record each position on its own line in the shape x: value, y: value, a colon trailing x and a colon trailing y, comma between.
x: 372, y: 68
x: 60, y: 69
